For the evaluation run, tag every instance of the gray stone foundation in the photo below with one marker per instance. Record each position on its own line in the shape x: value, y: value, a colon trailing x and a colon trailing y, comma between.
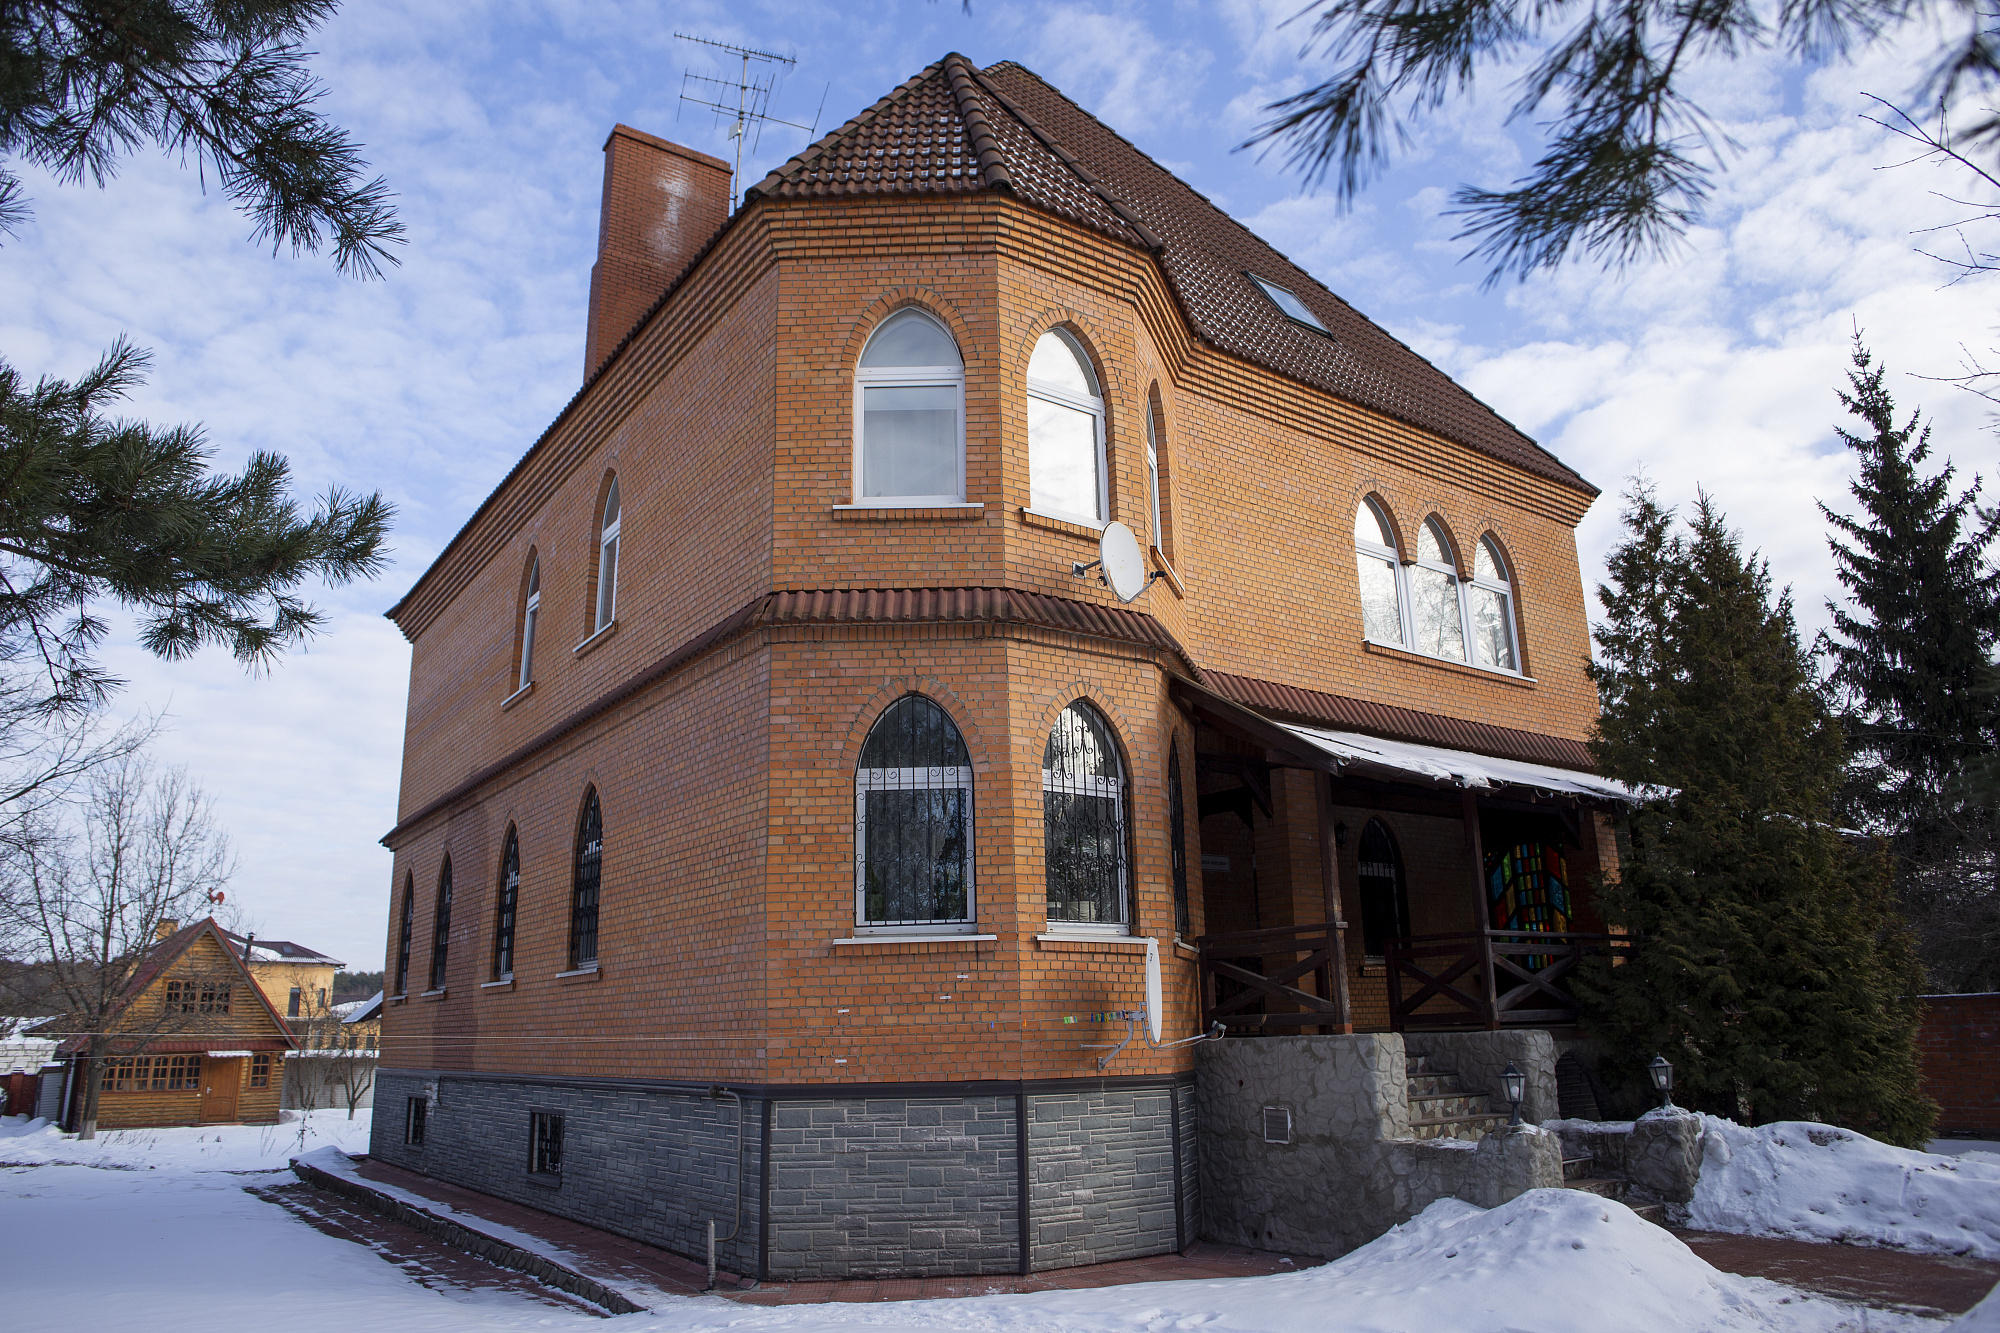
x: 868, y: 1184
x: 1349, y: 1171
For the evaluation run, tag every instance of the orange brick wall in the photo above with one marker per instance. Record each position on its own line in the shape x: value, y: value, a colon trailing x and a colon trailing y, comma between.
x: 727, y: 787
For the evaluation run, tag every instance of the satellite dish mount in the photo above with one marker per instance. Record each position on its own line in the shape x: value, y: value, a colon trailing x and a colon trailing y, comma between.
x: 1151, y: 1013
x: 1120, y: 564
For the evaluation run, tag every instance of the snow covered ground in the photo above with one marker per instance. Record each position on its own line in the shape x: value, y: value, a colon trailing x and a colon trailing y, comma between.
x: 1815, y: 1182
x: 154, y: 1230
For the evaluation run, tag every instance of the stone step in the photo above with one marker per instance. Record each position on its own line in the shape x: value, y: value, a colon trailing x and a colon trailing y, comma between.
x: 1456, y: 1126
x: 1574, y: 1167
x: 1448, y: 1104
x: 1603, y: 1185
x: 1425, y: 1084
x: 1656, y: 1213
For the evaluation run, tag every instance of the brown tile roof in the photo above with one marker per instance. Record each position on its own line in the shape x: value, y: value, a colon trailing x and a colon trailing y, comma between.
x: 956, y: 129
x: 1402, y: 724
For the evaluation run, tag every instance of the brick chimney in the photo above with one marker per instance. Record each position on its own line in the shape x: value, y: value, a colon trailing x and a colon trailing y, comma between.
x: 662, y: 203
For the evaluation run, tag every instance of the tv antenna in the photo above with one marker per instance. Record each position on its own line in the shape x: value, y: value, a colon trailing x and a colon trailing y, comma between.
x: 749, y: 111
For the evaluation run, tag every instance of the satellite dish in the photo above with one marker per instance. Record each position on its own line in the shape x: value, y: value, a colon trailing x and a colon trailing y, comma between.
x: 1153, y: 1004
x: 1124, y: 567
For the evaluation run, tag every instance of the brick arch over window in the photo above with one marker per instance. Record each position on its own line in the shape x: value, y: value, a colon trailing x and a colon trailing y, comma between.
x: 914, y: 821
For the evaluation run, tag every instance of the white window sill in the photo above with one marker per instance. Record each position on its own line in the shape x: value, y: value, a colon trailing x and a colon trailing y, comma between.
x: 517, y: 696
x: 398, y: 999
x: 889, y: 502
x: 592, y: 973
x: 437, y: 994
x: 1166, y: 566
x: 1450, y: 663
x: 505, y: 983
x: 597, y: 638
x: 1074, y: 520
x: 1092, y: 937
x: 916, y: 939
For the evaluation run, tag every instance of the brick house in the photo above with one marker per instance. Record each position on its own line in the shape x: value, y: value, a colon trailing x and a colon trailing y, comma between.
x: 785, y: 820
x: 194, y: 1041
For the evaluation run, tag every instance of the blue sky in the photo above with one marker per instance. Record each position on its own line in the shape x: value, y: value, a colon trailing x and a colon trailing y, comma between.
x: 1715, y: 366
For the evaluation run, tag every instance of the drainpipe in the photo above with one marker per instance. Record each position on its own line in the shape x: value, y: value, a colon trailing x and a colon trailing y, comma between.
x: 717, y: 1091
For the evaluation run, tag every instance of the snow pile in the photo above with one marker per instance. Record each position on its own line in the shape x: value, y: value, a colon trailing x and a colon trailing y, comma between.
x: 1551, y: 1261
x: 25, y: 1142
x: 1815, y: 1182
x: 1981, y: 1318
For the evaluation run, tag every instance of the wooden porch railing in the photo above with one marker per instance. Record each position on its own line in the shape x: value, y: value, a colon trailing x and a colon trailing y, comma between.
x: 1229, y: 988
x: 1490, y: 979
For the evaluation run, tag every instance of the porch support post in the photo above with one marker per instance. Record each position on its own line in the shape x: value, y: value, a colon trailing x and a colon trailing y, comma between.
x: 1475, y: 851
x: 1329, y: 878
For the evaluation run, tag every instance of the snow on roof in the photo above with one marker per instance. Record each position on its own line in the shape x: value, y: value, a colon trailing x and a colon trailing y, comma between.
x: 360, y: 1011
x: 279, y: 951
x: 1403, y: 760
x: 24, y: 1052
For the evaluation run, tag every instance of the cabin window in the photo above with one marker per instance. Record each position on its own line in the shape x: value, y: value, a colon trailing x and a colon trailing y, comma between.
x: 1436, y: 627
x: 153, y: 1073
x: 441, y: 928
x: 260, y: 1071
x: 531, y: 611
x: 587, y: 883
x: 545, y: 1143
x: 503, y: 916
x: 913, y: 820
x: 909, y: 392
x: 1177, y: 843
x: 1381, y: 575
x: 1066, y: 472
x: 1489, y: 610
x: 1083, y: 821
x: 607, y: 562
x: 197, y: 997
x: 1385, y: 903
x: 403, y: 935
x: 415, y: 1111
x: 1287, y: 300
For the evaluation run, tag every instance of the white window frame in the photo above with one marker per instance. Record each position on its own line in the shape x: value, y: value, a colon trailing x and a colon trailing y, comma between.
x: 1450, y: 571
x: 530, y: 613
x: 1094, y: 405
x: 1279, y: 295
x: 913, y: 779
x: 1153, y: 475
x: 906, y: 377
x: 1375, y: 550
x: 607, y: 554
x: 1504, y: 588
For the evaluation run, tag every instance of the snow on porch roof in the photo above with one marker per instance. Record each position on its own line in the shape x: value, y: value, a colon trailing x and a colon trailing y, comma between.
x: 1403, y: 760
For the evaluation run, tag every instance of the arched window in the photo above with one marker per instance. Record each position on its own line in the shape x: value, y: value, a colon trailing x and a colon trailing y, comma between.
x: 588, y: 882
x: 1385, y: 901
x: 910, y: 408
x: 607, y: 562
x: 1159, y: 477
x: 531, y: 611
x: 1066, y: 474
x: 1381, y: 575
x: 1489, y: 609
x: 403, y: 934
x: 509, y: 904
x: 1083, y: 821
x: 1435, y: 624
x: 1177, y: 843
x: 913, y: 821
x: 441, y: 927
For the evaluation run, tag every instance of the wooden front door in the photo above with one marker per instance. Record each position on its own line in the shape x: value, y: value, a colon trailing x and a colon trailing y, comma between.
x: 219, y: 1079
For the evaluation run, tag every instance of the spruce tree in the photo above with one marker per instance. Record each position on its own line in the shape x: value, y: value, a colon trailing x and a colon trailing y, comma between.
x: 1910, y: 654
x: 1767, y: 962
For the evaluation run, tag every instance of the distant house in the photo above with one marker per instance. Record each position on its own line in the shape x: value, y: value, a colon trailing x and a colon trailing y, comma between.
x: 334, y: 1067
x: 195, y: 1040
x: 298, y: 980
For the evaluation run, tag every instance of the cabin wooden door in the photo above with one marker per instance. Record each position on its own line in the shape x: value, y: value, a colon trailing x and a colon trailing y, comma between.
x: 219, y: 1079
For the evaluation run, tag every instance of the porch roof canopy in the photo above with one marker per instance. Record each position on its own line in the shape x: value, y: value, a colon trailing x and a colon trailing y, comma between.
x: 1371, y: 756
x: 1356, y: 754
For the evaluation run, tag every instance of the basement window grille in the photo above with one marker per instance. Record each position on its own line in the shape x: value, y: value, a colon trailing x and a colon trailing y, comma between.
x: 416, y: 1110
x: 545, y: 1143
x: 1277, y: 1124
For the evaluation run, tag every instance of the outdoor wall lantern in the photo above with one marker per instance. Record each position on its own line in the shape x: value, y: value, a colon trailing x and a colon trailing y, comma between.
x: 1516, y: 1084
x: 1663, y: 1081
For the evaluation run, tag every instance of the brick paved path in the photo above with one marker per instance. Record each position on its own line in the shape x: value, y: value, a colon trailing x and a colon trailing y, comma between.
x: 1885, y: 1279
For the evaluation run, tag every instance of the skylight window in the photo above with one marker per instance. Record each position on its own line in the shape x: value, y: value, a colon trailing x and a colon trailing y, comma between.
x: 1293, y: 307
